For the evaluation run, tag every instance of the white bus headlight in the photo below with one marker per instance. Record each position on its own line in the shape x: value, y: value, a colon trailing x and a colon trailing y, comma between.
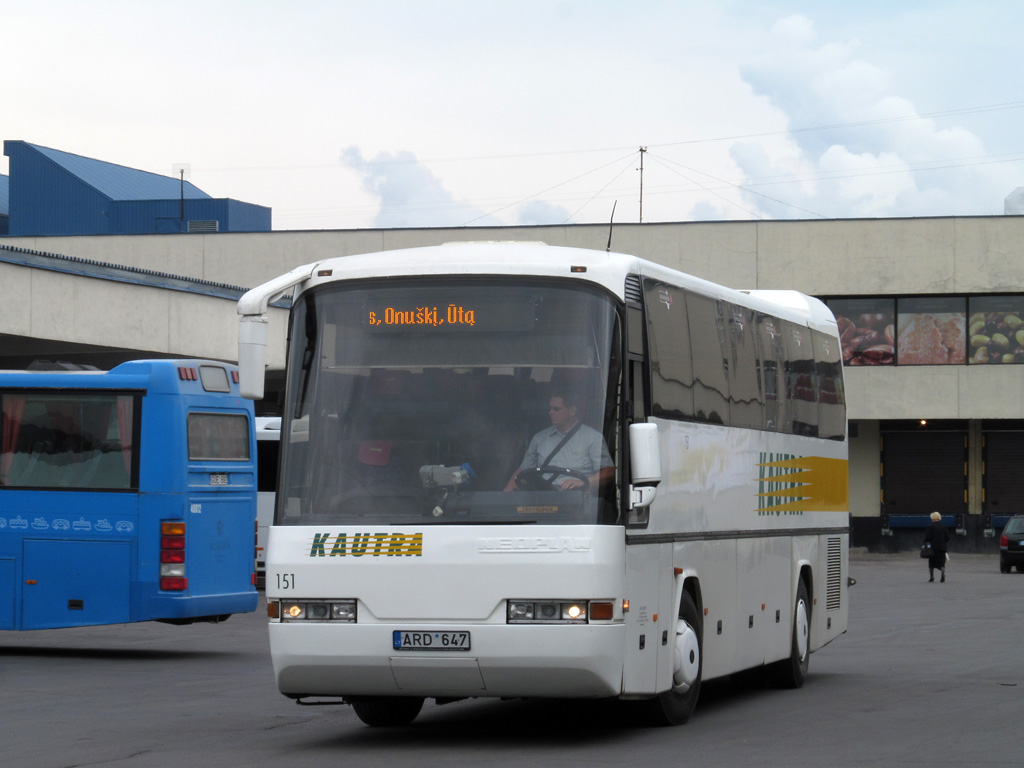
x: 520, y: 611
x: 318, y: 611
x: 344, y: 610
x: 547, y: 612
x: 575, y: 612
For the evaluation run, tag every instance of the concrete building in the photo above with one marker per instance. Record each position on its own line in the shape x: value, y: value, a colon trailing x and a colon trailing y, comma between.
x: 935, y: 421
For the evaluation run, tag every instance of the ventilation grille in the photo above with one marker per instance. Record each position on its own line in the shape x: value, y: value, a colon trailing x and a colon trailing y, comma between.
x: 834, y: 575
x: 211, y: 225
x: 633, y: 290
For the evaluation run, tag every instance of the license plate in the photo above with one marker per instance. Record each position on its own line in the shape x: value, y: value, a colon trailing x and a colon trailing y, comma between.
x: 405, y: 640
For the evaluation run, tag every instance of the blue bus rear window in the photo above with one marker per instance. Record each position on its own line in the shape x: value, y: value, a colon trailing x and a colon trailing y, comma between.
x: 218, y: 437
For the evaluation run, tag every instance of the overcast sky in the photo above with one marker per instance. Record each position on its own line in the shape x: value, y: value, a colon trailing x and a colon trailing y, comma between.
x: 343, y: 114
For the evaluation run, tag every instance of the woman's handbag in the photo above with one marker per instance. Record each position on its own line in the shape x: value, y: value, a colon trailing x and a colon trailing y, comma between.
x: 926, y: 549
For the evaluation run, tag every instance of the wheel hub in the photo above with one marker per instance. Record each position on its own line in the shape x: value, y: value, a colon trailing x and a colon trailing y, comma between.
x: 802, y: 630
x: 686, y: 666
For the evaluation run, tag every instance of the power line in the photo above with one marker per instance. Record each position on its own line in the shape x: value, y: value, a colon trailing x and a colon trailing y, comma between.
x: 543, y: 191
x: 550, y: 153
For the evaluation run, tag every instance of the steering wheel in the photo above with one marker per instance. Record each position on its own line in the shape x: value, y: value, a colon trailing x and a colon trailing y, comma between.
x: 545, y: 478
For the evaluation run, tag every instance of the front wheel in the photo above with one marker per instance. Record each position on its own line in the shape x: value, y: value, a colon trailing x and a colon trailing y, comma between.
x: 388, y: 710
x: 676, y: 705
x: 790, y: 673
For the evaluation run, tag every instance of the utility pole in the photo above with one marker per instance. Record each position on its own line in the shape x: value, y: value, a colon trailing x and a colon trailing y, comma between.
x: 642, y: 150
x: 184, y: 170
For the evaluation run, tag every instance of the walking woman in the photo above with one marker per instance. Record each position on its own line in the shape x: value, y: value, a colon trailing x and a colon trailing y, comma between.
x: 937, y: 536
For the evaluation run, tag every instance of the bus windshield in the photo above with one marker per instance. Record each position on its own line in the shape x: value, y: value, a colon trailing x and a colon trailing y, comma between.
x: 459, y: 401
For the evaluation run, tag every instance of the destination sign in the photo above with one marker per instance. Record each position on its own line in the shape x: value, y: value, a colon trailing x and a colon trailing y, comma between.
x: 454, y: 316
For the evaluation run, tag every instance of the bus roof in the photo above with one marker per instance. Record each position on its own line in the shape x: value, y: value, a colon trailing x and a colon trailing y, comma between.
x: 607, y: 269
x: 158, y: 375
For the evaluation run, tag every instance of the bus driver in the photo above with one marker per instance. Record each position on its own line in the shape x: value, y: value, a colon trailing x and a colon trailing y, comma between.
x: 567, y: 444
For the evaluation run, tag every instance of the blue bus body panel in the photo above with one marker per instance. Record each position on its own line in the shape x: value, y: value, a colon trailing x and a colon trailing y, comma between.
x: 79, y: 582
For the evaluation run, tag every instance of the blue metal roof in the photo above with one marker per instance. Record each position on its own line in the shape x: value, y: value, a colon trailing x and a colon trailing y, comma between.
x: 118, y: 182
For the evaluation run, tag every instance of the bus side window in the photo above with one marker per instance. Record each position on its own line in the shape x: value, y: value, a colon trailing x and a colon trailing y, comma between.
x: 801, y: 380
x: 772, y: 356
x: 710, y: 358
x: 831, y: 397
x: 668, y: 340
x: 746, y: 393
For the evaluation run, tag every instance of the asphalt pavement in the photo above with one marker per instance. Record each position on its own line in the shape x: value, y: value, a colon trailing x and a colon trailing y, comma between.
x: 928, y: 674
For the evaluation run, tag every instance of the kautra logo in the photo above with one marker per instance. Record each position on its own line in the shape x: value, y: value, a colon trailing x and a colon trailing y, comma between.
x: 792, y: 485
x: 367, y: 544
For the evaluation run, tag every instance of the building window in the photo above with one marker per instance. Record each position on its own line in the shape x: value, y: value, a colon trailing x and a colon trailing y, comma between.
x: 931, y: 330
x: 995, y: 331
x: 867, y: 330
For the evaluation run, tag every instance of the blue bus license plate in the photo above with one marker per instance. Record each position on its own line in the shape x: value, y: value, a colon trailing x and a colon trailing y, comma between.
x: 430, y: 641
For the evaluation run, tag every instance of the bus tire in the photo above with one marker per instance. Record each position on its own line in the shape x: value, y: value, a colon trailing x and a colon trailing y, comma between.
x: 676, y: 705
x: 386, y: 711
x: 791, y: 672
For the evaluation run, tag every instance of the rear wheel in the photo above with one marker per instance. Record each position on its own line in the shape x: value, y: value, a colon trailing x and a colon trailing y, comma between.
x: 388, y: 710
x: 1004, y: 567
x: 676, y: 705
x: 790, y: 673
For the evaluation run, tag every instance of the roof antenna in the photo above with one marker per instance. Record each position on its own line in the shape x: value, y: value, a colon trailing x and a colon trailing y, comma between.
x: 611, y: 223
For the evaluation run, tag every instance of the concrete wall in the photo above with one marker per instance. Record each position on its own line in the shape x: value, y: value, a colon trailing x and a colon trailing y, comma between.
x: 837, y: 257
x: 46, y: 305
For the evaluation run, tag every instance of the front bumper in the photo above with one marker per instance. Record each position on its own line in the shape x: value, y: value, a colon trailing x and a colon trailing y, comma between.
x: 503, y: 661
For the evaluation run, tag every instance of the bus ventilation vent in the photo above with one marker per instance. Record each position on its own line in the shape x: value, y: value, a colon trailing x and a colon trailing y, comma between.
x: 834, y: 576
x: 633, y: 290
x: 211, y: 225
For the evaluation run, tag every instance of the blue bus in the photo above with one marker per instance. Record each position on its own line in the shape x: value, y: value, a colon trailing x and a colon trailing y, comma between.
x: 127, y: 495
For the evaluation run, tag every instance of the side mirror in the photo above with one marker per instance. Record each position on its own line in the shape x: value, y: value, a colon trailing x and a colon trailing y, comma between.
x: 252, y: 355
x: 645, y: 463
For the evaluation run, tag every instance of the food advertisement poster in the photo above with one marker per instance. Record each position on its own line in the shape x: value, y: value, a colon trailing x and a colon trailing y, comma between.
x: 932, y: 331
x: 995, y: 330
x: 866, y: 330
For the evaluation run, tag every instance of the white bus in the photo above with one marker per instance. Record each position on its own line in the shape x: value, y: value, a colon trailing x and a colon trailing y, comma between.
x: 416, y: 552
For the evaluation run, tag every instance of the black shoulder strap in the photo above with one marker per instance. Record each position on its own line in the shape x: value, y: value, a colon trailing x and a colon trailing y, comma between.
x: 565, y: 439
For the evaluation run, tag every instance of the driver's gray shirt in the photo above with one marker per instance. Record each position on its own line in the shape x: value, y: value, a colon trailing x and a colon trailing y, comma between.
x: 584, y: 452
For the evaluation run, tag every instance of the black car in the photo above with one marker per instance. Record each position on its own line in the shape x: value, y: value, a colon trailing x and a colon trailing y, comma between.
x: 1011, y: 545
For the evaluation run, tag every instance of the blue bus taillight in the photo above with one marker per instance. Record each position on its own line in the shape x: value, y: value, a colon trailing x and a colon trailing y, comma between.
x: 172, y: 556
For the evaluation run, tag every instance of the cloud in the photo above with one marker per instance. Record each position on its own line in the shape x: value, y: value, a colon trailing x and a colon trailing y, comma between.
x: 538, y: 212
x: 410, y: 194
x: 871, y: 152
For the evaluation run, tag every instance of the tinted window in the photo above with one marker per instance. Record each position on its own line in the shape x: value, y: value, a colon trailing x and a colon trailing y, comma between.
x: 1015, y: 526
x: 421, y: 401
x: 218, y: 437
x: 746, y: 406
x: 831, y: 396
x: 669, y: 341
x: 710, y: 358
x: 773, y: 363
x: 73, y: 440
x: 801, y: 380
